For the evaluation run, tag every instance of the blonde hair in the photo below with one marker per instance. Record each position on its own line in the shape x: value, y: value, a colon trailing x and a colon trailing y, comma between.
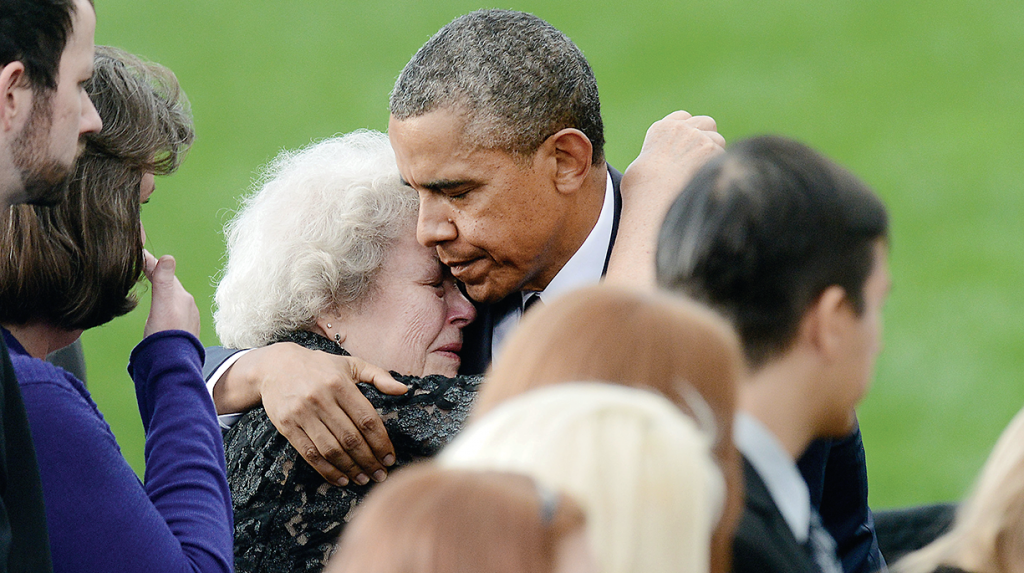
x: 436, y: 520
x: 311, y: 238
x: 988, y: 533
x: 641, y: 469
x: 659, y: 341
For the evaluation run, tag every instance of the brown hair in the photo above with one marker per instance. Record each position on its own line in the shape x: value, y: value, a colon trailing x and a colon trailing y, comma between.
x: 658, y: 341
x: 74, y: 265
x: 457, y: 521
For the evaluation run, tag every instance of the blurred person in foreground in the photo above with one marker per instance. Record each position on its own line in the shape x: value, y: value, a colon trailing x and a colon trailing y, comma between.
x: 642, y: 470
x: 323, y: 254
x: 73, y: 266
x: 793, y: 250
x: 46, y: 50
x: 987, y: 534
x: 455, y: 521
x: 660, y: 342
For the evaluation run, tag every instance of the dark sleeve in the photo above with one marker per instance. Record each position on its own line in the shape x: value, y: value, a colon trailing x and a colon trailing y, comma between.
x: 215, y: 356
x: 837, y: 478
x: 102, y: 518
x: 907, y: 529
x: 24, y: 545
x: 185, y: 472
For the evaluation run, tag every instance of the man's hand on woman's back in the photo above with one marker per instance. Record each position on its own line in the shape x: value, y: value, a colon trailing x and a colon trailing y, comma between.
x: 312, y: 399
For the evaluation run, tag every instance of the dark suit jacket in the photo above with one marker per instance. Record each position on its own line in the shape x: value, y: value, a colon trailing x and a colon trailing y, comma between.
x: 764, y: 543
x: 837, y: 477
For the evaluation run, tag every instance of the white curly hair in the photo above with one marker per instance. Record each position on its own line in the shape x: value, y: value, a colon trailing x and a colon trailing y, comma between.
x: 311, y: 237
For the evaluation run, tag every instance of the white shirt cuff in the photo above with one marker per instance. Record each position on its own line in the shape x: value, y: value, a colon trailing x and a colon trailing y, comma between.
x: 226, y: 420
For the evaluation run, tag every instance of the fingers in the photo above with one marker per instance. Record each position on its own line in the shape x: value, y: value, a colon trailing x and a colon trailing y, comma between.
x: 355, y: 425
x: 162, y: 275
x: 380, y: 378
x: 679, y: 115
x: 333, y: 436
x: 703, y: 123
x: 173, y: 307
x: 313, y: 400
x: 365, y: 417
x: 311, y: 453
x: 150, y: 263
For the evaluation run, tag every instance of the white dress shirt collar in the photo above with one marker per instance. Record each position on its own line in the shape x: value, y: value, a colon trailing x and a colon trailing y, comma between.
x: 778, y: 471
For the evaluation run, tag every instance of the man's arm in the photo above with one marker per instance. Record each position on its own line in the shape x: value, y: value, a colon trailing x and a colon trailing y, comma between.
x: 836, y: 474
x: 312, y: 399
x: 674, y: 149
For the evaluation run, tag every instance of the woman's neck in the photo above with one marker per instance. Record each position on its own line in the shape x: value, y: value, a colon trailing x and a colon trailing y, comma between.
x: 40, y: 339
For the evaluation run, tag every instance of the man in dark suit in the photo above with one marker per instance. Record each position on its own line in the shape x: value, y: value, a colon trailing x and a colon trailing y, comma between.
x: 46, y: 55
x: 496, y: 124
x: 793, y: 249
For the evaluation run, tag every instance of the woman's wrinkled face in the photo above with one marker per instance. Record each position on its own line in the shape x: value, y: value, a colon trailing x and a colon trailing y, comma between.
x: 412, y: 319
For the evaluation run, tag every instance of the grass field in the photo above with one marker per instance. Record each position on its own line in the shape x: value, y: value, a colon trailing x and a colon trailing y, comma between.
x: 925, y: 101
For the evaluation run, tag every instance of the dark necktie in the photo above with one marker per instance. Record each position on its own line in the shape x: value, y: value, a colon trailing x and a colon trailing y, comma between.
x: 532, y: 300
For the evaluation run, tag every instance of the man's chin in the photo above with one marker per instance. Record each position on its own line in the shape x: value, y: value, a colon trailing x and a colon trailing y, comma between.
x: 487, y: 292
x: 47, y: 187
x: 46, y: 195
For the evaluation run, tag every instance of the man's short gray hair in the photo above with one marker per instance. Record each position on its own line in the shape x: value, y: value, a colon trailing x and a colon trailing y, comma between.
x: 311, y: 237
x: 517, y: 78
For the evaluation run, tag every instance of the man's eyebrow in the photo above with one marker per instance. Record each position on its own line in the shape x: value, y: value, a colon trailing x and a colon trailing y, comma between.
x: 442, y: 185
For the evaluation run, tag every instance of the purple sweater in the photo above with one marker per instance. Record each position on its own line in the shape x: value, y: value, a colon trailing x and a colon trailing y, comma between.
x: 100, y: 517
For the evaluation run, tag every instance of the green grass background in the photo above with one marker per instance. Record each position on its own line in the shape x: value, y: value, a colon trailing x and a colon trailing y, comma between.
x: 923, y: 100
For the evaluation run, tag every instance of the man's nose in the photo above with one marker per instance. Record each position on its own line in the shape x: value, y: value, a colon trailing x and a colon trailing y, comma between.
x: 434, y: 224
x: 91, y: 122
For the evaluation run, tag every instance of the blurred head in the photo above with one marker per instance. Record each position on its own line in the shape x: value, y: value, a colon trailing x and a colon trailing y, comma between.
x: 73, y: 265
x: 657, y: 341
x: 46, y: 54
x: 326, y: 244
x: 988, y: 532
x: 762, y: 231
x: 496, y: 122
x: 641, y: 469
x: 455, y: 521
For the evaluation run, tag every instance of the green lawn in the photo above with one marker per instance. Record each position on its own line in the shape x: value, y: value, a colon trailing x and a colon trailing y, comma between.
x: 922, y: 100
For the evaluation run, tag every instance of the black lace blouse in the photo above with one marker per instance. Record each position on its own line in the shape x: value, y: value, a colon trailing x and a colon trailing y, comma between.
x: 287, y: 517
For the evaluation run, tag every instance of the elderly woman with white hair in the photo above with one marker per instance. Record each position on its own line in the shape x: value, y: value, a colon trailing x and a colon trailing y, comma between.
x: 324, y: 254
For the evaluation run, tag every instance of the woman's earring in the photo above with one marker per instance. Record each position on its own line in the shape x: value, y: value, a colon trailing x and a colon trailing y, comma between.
x: 328, y: 325
x: 337, y: 337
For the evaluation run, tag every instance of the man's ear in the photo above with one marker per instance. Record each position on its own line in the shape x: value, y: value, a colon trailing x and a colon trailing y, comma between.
x: 572, y: 152
x: 332, y: 326
x: 826, y: 322
x: 15, y: 95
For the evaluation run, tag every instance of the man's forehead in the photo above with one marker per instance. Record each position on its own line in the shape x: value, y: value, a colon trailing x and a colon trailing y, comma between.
x: 434, y: 151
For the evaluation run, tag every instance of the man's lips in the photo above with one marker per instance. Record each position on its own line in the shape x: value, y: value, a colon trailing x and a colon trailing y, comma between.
x: 464, y: 270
